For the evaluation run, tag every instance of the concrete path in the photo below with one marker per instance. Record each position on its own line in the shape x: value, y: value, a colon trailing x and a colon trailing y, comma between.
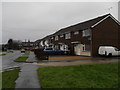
x: 28, y: 77
x: 31, y: 57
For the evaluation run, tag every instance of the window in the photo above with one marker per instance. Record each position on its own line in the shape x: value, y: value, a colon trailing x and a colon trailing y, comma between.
x: 67, y: 36
x: 89, y: 38
x: 41, y: 43
x: 77, y: 32
x: 56, y: 47
x: 116, y: 49
x: 31, y: 44
x: 86, y: 47
x: 61, y: 36
x: 56, y: 38
x: 86, y: 32
x: 52, y: 38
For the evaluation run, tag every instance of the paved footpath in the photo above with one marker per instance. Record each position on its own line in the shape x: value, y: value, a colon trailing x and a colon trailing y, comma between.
x: 28, y: 77
x: 31, y: 57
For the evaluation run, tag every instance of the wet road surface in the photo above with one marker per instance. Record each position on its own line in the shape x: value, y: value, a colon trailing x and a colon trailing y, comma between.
x: 8, y: 59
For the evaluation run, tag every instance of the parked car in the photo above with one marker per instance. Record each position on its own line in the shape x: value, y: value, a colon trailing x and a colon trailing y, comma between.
x: 108, y: 51
x: 50, y: 50
x: 22, y: 50
x: 32, y: 49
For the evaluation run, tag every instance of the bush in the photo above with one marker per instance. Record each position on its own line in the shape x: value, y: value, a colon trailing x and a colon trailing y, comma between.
x: 40, y: 54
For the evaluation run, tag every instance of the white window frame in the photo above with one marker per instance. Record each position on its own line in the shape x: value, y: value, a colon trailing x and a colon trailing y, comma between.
x: 67, y: 35
x: 61, y: 35
x: 52, y: 38
x: 41, y: 43
x: 76, y: 32
x: 56, y: 38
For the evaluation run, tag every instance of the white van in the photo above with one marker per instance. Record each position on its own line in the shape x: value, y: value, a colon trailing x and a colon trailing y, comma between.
x: 108, y: 51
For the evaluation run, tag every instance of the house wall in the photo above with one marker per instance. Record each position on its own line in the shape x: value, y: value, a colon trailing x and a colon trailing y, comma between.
x: 105, y: 33
x: 78, y: 37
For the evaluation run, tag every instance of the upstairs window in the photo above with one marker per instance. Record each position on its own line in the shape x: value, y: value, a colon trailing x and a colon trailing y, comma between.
x: 67, y: 36
x: 77, y: 32
x: 56, y: 38
x: 56, y: 47
x: 86, y: 32
x: 61, y: 36
x: 52, y: 38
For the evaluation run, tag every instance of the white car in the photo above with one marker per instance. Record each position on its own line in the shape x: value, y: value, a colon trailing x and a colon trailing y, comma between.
x: 108, y: 51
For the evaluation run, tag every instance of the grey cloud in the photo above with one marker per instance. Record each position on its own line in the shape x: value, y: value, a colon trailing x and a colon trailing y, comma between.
x: 33, y: 21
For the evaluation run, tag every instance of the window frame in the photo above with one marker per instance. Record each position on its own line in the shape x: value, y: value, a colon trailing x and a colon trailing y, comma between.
x: 76, y: 32
x: 56, y: 38
x: 67, y: 35
x: 52, y: 37
x: 61, y: 35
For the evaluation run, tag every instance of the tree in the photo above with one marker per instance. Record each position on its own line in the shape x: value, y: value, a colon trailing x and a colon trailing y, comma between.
x: 10, y: 44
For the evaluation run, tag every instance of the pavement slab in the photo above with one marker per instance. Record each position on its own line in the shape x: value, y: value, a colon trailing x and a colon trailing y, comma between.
x: 27, y: 77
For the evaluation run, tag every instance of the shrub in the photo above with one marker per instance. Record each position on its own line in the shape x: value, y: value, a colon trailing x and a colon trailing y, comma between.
x: 40, y: 54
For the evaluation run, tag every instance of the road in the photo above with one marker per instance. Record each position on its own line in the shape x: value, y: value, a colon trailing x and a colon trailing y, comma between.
x: 28, y: 75
x: 8, y: 59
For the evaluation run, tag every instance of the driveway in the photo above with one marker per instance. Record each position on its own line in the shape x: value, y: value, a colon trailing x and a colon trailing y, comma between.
x: 62, y: 58
x: 76, y: 60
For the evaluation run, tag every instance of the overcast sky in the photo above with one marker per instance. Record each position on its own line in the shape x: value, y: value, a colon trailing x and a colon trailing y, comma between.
x: 34, y: 20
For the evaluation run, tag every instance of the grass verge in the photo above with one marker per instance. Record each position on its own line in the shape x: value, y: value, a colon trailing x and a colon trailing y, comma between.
x: 9, y: 77
x: 22, y: 58
x: 2, y: 54
x: 80, y: 76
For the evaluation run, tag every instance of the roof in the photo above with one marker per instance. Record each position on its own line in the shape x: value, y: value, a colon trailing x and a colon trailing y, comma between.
x: 81, y: 26
x: 47, y: 37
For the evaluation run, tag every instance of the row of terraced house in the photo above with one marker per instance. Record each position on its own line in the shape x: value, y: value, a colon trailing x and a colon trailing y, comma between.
x: 86, y: 37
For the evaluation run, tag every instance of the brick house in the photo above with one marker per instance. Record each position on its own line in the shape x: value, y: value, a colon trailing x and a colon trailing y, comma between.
x: 28, y: 44
x: 86, y: 37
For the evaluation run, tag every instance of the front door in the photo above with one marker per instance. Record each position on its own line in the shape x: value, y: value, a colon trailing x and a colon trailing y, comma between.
x: 77, y: 49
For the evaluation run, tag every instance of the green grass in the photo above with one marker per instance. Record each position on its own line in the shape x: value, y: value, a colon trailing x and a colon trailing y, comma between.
x: 80, y: 76
x: 9, y: 51
x: 22, y: 58
x: 9, y: 77
x: 2, y: 54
